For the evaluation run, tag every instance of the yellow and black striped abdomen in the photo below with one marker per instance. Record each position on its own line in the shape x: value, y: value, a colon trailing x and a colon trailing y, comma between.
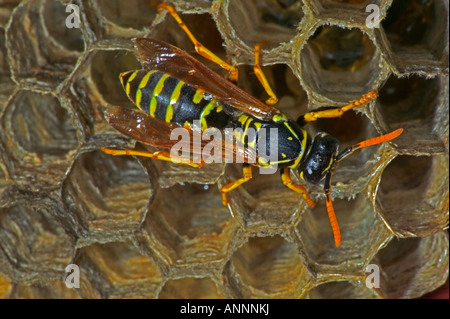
x: 169, y: 99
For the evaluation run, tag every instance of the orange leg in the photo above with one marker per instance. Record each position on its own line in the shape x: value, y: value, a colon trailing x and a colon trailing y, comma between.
x: 200, y: 48
x: 260, y: 74
x: 247, y: 172
x: 330, y: 113
x: 287, y: 180
x: 159, y: 155
x: 330, y: 211
x: 333, y: 220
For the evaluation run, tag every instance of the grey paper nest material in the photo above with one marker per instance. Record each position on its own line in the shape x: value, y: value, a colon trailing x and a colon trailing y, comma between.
x: 140, y: 228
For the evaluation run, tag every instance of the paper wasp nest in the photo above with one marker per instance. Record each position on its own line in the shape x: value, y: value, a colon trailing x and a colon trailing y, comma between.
x: 141, y: 228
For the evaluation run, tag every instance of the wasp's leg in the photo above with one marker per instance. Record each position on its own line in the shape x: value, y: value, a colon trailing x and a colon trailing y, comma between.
x: 330, y: 211
x: 200, y: 48
x: 247, y: 175
x: 260, y: 74
x: 287, y: 180
x: 330, y: 113
x: 159, y: 155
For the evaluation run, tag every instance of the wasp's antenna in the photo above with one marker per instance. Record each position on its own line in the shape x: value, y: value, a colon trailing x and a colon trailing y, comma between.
x: 369, y: 142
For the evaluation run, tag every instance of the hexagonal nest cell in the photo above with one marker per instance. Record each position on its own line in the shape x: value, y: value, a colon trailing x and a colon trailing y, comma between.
x: 141, y: 228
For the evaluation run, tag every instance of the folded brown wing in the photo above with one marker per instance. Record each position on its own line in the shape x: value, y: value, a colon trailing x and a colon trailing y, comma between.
x: 158, y: 55
x: 155, y: 132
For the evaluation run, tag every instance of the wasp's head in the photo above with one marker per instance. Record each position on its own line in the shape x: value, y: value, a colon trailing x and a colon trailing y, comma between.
x: 320, y: 159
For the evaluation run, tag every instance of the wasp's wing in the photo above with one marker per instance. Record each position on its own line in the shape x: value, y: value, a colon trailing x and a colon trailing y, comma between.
x: 155, y: 132
x: 154, y: 54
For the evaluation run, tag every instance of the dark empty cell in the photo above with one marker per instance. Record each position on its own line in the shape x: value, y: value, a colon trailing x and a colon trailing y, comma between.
x: 270, y: 14
x: 283, y: 83
x: 406, y: 173
x: 341, y: 64
x: 413, y: 266
x: 202, y: 26
x: 349, y: 127
x: 412, y: 194
x: 268, y: 20
x: 405, y: 99
x: 341, y: 49
x: 130, y: 14
x: 286, y: 3
x: 36, y: 60
x: 408, y: 21
x: 417, y: 105
x: 205, y: 30
x: 106, y: 67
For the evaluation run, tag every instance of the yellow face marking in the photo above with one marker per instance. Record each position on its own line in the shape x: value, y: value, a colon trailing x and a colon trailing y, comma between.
x: 219, y: 109
x: 290, y: 138
x: 284, y: 155
x: 156, y: 91
x: 205, y: 112
x: 131, y: 78
x: 257, y: 125
x: 173, y: 99
x: 143, y: 83
x: 198, y: 96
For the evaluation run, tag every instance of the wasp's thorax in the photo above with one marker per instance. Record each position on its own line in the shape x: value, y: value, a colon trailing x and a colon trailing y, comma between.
x: 320, y: 158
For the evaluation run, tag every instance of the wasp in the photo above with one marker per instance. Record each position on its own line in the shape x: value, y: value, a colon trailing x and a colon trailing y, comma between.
x: 173, y: 90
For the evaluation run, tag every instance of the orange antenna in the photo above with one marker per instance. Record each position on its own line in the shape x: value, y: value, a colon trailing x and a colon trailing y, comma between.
x: 369, y: 142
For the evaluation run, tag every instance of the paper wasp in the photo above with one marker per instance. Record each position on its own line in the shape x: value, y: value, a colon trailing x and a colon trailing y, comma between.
x: 173, y: 89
